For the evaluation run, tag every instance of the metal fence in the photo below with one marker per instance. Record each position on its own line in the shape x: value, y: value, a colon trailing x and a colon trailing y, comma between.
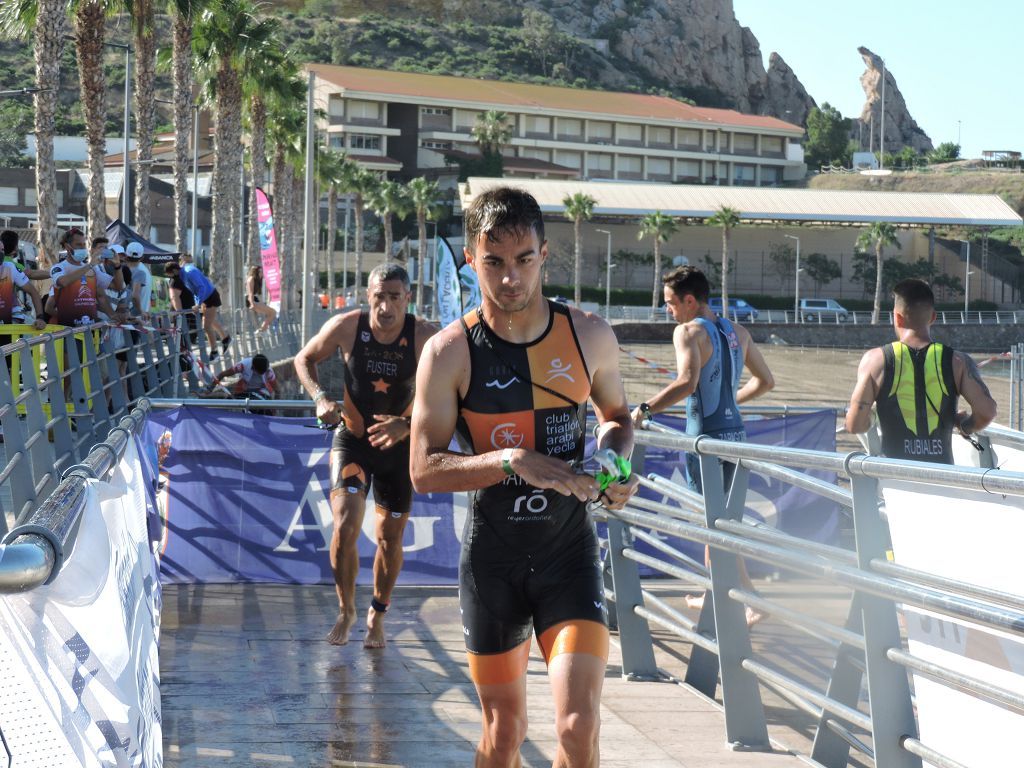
x: 812, y: 317
x: 867, y: 649
x: 63, y: 390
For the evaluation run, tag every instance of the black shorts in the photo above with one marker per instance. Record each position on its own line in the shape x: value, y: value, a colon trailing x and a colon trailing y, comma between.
x: 213, y: 300
x: 358, y: 467
x: 505, y: 593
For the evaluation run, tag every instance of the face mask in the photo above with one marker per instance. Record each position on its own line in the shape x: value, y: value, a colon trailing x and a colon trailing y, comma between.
x: 81, y: 254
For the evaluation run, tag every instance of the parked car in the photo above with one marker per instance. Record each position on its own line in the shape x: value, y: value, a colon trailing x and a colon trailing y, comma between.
x: 738, y: 309
x: 830, y: 310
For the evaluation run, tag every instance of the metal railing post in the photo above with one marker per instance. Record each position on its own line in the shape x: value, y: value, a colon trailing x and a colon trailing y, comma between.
x: 64, y: 444
x: 829, y: 748
x: 892, y: 713
x: 634, y: 633
x: 745, y: 725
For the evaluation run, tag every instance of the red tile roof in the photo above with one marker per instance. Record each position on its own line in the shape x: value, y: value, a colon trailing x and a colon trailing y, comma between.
x: 526, y: 96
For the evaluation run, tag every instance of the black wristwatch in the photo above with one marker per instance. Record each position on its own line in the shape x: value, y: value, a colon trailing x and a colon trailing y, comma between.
x: 645, y: 408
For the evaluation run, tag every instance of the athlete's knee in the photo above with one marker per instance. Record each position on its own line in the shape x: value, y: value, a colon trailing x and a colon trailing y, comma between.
x: 505, y: 732
x: 578, y: 730
x: 347, y: 523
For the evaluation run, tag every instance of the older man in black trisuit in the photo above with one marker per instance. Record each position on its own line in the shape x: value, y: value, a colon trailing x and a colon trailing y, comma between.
x: 381, y: 347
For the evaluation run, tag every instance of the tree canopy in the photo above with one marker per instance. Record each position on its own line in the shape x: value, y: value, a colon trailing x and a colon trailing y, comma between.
x: 828, y: 134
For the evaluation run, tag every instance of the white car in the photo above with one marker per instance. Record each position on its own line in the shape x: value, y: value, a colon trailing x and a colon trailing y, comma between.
x: 830, y: 310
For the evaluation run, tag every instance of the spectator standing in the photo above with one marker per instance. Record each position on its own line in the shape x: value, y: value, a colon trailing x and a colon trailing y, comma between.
x: 207, y: 296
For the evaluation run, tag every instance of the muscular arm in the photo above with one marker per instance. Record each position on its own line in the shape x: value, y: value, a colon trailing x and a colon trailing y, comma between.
x: 761, y: 379
x: 615, y: 428
x: 443, y: 367
x: 975, y: 392
x: 72, y: 275
x: 865, y: 391
x: 689, y: 341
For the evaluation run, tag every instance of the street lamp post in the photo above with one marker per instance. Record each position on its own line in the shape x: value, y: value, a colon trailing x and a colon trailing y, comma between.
x: 796, y: 297
x: 607, y: 275
x: 967, y: 278
x: 195, y: 176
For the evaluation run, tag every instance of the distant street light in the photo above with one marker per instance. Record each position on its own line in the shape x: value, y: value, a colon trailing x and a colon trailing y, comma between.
x: 967, y: 277
x: 608, y: 275
x: 22, y: 92
x: 796, y: 297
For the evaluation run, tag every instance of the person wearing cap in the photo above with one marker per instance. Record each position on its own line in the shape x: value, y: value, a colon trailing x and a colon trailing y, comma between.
x: 141, y: 280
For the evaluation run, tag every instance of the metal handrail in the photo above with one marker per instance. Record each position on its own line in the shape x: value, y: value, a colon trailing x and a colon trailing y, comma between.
x: 33, y: 552
x: 877, y: 586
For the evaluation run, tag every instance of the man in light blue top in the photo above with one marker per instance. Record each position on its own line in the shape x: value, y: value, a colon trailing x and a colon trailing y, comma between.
x: 205, y: 294
x: 711, y: 353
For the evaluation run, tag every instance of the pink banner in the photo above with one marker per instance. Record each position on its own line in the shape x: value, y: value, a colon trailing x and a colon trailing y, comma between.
x: 268, y: 250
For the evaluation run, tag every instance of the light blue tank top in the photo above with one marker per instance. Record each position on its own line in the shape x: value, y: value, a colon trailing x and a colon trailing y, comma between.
x: 712, y: 408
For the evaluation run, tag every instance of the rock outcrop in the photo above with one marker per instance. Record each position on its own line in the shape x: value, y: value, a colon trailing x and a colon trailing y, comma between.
x: 901, y: 130
x: 696, y: 46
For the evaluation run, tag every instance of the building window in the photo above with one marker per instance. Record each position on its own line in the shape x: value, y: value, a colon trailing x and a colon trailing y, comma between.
x: 337, y: 142
x: 435, y: 111
x: 535, y: 124
x: 632, y: 134
x: 688, y: 169
x: 771, y: 144
x: 429, y: 144
x: 569, y: 128
x: 743, y: 174
x: 744, y: 142
x: 363, y: 110
x: 465, y: 119
x: 598, y: 132
x: 9, y: 195
x: 536, y: 154
x: 599, y: 164
x: 364, y: 141
x: 628, y: 164
x: 771, y: 174
x: 569, y: 159
x: 335, y: 106
x: 689, y: 138
x: 659, y: 166
x: 659, y: 136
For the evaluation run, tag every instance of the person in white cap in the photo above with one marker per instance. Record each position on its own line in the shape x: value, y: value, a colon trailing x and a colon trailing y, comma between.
x: 141, y: 280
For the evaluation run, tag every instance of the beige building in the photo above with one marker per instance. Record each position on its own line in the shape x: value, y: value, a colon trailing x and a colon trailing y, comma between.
x: 406, y: 125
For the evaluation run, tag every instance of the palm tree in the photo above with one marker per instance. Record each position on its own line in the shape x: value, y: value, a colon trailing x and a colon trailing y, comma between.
x: 329, y: 169
x: 726, y: 218
x: 877, y: 236
x: 422, y: 195
x: 391, y: 199
x: 661, y: 228
x: 225, y: 37
x: 579, y: 207
x: 361, y: 184
x: 90, y: 28
x: 143, y: 34
x: 183, y: 15
x: 286, y: 130
x: 272, y: 76
x: 492, y: 131
x: 47, y: 21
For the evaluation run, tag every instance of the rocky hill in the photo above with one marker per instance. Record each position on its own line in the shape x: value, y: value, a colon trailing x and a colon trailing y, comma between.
x: 901, y: 130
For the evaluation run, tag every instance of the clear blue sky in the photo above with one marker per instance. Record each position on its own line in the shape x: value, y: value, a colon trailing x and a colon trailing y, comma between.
x: 951, y: 60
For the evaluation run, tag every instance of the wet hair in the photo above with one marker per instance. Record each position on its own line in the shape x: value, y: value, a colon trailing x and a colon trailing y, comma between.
x: 260, y: 363
x: 100, y: 241
x: 913, y: 298
x: 390, y: 271
x: 502, y: 211
x: 688, y: 280
x: 9, y: 238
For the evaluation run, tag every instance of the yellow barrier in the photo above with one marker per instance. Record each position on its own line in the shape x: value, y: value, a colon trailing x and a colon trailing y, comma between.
x: 17, y: 331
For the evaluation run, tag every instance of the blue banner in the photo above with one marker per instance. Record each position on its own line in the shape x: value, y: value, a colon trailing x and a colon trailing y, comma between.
x: 246, y: 498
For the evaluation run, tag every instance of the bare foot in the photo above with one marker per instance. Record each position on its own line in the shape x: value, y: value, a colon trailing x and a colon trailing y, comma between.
x: 695, y: 602
x: 342, y: 628
x: 374, y: 630
x: 754, y: 616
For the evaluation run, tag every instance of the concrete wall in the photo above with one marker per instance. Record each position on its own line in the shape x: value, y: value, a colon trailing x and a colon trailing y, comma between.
x: 970, y: 338
x: 751, y: 247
